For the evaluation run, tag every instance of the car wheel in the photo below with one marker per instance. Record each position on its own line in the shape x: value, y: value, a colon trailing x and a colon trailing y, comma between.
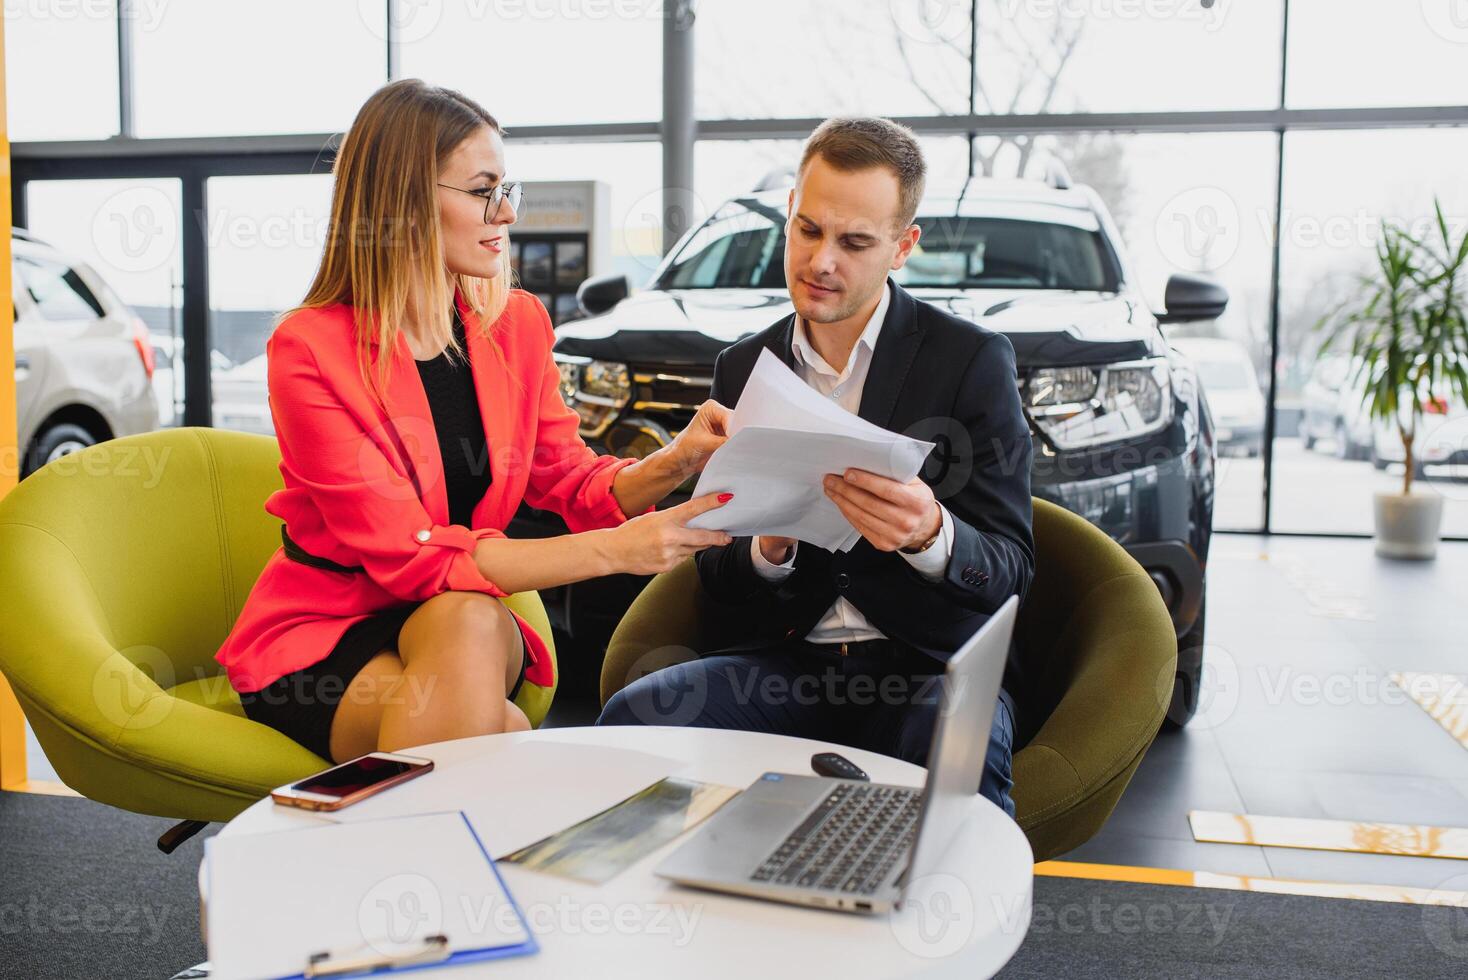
x: 55, y: 442
x: 1309, y: 443
x: 1188, y: 683
x: 1377, y: 461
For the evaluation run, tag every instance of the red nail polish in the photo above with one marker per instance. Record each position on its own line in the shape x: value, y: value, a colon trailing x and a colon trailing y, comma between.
x: 724, y: 498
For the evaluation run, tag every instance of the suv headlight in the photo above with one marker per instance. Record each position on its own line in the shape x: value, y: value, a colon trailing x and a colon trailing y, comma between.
x: 596, y: 390
x: 1081, y: 407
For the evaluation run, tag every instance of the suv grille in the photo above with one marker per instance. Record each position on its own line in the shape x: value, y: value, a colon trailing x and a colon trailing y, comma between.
x: 669, y: 396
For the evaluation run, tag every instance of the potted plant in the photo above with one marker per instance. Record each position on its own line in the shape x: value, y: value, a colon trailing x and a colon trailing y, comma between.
x: 1408, y: 338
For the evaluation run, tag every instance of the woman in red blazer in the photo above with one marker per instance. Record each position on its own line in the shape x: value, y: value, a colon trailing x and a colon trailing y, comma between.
x: 411, y: 386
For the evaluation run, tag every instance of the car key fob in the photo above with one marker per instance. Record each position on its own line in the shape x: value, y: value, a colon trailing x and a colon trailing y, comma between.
x: 837, y: 767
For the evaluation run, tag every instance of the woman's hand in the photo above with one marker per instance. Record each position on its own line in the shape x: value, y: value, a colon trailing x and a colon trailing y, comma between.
x: 690, y: 449
x: 657, y: 542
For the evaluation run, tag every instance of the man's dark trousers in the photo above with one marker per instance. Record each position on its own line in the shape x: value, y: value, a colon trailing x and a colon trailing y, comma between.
x: 882, y: 697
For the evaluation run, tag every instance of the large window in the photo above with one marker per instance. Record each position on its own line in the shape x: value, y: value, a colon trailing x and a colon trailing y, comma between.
x: 1377, y: 53
x: 127, y: 232
x: 269, y: 66
x: 1199, y: 200
x: 61, y: 70
x: 912, y: 57
x: 1337, y: 189
x: 540, y: 62
x: 633, y: 173
x: 266, y: 235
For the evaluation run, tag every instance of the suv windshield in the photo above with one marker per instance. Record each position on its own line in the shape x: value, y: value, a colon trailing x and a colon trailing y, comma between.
x: 742, y: 246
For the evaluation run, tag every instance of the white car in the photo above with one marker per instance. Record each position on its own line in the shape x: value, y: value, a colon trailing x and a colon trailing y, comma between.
x: 240, y: 398
x: 168, y: 376
x: 1231, y: 385
x: 83, y: 359
x: 1441, y: 440
x: 1332, y: 413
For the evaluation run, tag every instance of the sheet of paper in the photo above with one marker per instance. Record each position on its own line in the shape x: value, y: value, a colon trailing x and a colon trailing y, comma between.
x: 369, y: 888
x: 784, y: 439
x: 491, y: 788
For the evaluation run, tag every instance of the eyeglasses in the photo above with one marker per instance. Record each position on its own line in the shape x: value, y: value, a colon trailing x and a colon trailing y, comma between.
x: 511, y: 189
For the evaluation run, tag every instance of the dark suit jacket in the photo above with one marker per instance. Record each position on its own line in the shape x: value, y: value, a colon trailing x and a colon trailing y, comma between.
x: 937, y: 377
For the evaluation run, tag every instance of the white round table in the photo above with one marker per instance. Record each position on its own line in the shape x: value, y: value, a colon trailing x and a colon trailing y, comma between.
x: 967, y: 921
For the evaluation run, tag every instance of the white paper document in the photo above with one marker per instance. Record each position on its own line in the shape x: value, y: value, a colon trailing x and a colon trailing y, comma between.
x: 784, y: 437
x: 491, y: 789
x: 376, y: 889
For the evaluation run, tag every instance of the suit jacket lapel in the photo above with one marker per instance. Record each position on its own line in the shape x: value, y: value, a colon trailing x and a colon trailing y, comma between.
x: 897, y: 345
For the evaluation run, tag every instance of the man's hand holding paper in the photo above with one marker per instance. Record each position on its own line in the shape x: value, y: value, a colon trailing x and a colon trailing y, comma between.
x: 785, y: 440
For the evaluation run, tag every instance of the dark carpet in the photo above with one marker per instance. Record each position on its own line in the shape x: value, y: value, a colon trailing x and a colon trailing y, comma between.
x: 85, y: 893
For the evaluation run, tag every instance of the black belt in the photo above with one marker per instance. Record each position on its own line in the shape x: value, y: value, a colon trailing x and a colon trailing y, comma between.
x: 295, y: 552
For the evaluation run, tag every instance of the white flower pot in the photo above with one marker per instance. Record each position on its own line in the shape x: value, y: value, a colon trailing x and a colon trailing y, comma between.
x: 1408, y: 526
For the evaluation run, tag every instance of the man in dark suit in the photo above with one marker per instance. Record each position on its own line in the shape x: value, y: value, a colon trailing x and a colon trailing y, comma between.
x: 847, y: 647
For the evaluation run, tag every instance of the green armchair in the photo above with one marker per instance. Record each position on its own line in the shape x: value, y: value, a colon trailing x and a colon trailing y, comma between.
x: 1099, y: 656
x: 122, y: 569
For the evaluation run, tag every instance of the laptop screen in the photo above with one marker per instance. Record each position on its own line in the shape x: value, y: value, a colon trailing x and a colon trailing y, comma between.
x: 970, y: 689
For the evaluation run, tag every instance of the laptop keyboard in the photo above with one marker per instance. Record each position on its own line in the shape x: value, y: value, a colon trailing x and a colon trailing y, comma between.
x: 849, y: 843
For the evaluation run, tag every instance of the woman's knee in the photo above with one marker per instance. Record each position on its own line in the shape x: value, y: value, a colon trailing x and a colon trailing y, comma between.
x: 461, y: 626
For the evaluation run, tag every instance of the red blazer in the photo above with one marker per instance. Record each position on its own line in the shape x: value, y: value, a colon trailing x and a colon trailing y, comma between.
x: 364, y: 488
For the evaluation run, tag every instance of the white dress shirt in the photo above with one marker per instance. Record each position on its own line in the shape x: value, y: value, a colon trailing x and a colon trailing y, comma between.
x: 843, y: 621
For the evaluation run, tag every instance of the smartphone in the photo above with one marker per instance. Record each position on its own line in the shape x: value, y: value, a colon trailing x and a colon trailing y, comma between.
x: 351, y: 781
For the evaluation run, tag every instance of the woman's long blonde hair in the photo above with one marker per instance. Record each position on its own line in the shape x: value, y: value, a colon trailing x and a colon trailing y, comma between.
x: 384, y: 240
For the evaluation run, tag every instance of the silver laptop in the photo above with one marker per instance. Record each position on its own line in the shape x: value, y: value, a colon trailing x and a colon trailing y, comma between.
x: 846, y: 844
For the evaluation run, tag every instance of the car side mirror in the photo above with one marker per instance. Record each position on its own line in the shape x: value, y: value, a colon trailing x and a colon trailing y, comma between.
x: 1191, y: 297
x: 600, y: 293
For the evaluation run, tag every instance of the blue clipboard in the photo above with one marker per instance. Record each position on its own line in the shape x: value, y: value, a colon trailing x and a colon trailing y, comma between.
x: 435, y: 950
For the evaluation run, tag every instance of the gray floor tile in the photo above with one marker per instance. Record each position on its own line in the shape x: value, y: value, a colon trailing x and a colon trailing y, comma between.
x: 1182, y: 771
x: 1367, y: 869
x: 1164, y: 852
x: 1369, y: 797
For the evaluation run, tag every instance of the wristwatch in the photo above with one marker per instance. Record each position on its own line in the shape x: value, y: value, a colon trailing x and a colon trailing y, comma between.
x: 931, y: 541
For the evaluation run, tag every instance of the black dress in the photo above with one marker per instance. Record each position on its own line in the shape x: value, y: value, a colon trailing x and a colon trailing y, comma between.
x: 303, y: 703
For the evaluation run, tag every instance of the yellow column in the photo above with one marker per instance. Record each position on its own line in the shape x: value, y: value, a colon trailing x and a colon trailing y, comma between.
x: 12, y: 722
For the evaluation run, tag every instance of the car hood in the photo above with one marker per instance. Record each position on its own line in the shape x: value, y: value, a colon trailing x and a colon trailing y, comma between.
x: 1047, y: 327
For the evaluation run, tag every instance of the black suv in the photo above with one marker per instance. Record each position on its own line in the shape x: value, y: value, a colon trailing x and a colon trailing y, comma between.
x: 1122, y: 434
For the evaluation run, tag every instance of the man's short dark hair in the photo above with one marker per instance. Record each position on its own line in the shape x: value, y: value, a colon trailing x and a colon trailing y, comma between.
x: 860, y: 143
